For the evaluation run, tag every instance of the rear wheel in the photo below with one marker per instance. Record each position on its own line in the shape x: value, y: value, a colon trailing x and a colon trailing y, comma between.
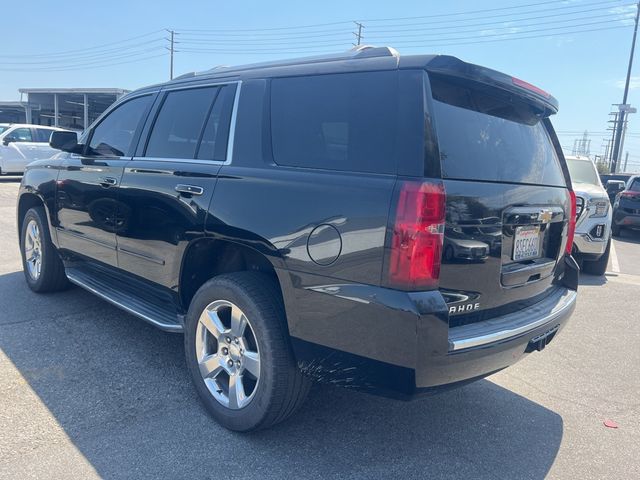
x: 598, y: 267
x: 43, y: 268
x: 238, y: 353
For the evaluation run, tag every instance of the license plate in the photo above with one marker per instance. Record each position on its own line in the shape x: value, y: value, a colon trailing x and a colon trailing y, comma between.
x: 526, y: 243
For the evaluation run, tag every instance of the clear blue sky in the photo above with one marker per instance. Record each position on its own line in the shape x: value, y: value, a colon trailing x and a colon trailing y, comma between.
x: 51, y: 45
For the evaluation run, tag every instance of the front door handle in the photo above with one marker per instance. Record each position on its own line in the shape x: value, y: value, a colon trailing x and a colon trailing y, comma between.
x: 189, y: 189
x: 108, y: 181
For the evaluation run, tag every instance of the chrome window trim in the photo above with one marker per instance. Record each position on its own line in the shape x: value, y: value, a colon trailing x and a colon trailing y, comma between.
x: 232, y: 128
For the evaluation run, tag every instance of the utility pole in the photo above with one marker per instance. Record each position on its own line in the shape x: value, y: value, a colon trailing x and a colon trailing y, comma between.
x: 626, y: 159
x: 171, y: 51
x: 358, y: 34
x: 620, y: 124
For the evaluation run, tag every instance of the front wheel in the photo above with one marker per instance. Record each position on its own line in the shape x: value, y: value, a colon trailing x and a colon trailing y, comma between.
x: 598, y: 267
x: 43, y: 268
x: 238, y: 352
x: 615, y: 229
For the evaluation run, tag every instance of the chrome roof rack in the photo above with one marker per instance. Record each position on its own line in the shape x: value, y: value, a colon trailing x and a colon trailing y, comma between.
x: 359, y: 51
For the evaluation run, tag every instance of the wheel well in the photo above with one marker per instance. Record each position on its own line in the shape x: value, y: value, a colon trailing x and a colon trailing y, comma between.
x: 27, y: 201
x: 208, y: 258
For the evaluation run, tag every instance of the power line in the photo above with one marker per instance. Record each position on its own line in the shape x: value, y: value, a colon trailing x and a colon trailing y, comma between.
x: 94, y: 48
x: 485, y: 10
x: 139, y: 56
x: 87, y: 56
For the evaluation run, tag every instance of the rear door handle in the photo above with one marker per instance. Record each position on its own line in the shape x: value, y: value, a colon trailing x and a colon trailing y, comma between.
x: 189, y: 189
x: 108, y: 181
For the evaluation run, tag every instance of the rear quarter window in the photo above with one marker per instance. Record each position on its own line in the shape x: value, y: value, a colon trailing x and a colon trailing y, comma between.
x: 336, y: 122
x: 488, y: 135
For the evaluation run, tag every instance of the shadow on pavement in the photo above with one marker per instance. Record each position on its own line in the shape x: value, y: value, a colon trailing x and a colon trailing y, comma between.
x: 10, y: 179
x: 586, y: 279
x: 119, y: 388
x: 629, y: 236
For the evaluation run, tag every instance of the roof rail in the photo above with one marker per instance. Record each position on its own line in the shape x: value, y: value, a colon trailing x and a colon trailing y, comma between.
x: 367, y: 51
x: 359, y: 51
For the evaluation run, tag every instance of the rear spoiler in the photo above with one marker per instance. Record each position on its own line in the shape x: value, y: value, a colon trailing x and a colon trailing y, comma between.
x: 447, y: 65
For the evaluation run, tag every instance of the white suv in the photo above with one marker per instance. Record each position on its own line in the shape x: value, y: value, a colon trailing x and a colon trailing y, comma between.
x: 21, y: 144
x: 592, y: 239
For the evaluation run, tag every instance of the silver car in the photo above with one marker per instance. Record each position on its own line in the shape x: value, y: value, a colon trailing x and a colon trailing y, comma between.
x: 592, y: 239
x: 21, y: 144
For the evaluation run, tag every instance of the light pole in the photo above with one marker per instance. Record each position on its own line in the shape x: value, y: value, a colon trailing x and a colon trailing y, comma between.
x: 621, y: 118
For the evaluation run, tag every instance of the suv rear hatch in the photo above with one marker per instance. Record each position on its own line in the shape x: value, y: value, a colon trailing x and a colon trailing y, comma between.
x: 507, y: 202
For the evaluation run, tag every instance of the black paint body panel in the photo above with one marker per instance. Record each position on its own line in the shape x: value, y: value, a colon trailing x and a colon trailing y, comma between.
x: 323, y: 233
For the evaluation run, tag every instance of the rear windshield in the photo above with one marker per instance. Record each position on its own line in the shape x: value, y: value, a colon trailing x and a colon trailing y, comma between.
x: 491, y: 135
x: 582, y: 171
x: 2, y: 129
x: 635, y: 185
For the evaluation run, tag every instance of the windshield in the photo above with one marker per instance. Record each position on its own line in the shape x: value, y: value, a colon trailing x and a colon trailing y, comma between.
x: 582, y: 171
x: 3, y: 128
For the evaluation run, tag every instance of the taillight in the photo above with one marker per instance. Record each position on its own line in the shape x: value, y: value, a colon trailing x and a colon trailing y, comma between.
x: 528, y: 86
x: 413, y: 259
x: 571, y: 229
x: 629, y: 193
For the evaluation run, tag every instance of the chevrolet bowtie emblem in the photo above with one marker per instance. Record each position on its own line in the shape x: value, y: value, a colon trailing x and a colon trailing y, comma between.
x: 544, y: 216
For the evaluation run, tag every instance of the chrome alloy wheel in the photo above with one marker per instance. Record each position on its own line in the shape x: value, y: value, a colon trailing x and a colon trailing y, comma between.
x: 227, y: 354
x: 33, y: 250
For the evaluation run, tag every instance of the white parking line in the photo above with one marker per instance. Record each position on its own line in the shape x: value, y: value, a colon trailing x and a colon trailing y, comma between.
x: 615, y: 266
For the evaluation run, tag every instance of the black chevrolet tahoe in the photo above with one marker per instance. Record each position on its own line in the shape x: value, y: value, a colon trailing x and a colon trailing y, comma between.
x: 392, y: 224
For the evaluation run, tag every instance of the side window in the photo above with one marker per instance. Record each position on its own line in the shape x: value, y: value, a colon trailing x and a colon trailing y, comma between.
x: 21, y: 135
x: 42, y: 135
x: 114, y: 134
x: 179, y: 125
x: 337, y: 122
x: 216, y: 133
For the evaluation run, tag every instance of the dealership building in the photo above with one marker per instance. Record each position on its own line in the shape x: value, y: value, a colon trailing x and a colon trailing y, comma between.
x: 72, y: 108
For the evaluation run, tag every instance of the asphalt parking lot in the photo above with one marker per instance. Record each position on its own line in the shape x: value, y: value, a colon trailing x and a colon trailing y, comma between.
x: 88, y: 391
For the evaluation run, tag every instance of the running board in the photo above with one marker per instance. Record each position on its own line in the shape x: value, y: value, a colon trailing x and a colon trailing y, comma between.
x: 163, y: 318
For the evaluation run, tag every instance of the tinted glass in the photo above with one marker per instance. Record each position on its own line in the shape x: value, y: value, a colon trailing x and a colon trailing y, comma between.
x: 2, y: 129
x: 216, y: 132
x: 635, y: 185
x: 583, y: 171
x: 336, y: 122
x: 114, y: 134
x: 488, y: 135
x: 42, y: 135
x: 21, y: 135
x: 178, y: 127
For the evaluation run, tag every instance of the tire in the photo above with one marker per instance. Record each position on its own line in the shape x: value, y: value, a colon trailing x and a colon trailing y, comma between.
x: 279, y: 388
x: 598, y: 267
x: 46, y: 272
x: 615, y: 229
x: 448, y: 254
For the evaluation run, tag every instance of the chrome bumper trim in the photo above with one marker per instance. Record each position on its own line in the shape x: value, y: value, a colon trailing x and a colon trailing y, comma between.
x: 555, y: 307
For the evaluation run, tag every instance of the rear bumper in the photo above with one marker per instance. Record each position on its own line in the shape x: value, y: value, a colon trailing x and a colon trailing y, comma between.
x: 399, y: 344
x: 625, y: 219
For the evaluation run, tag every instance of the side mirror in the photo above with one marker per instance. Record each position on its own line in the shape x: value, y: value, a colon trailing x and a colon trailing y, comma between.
x: 8, y: 139
x: 65, y: 141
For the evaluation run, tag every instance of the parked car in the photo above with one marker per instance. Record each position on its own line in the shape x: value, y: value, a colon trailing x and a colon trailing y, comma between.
x: 605, y: 178
x: 613, y: 188
x: 626, y: 209
x: 21, y: 144
x: 289, y: 217
x: 592, y: 240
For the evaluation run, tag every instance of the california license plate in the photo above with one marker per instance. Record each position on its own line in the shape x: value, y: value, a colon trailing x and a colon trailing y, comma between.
x: 526, y: 243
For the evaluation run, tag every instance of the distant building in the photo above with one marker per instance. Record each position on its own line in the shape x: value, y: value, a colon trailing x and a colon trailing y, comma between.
x: 12, y: 112
x: 74, y: 108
